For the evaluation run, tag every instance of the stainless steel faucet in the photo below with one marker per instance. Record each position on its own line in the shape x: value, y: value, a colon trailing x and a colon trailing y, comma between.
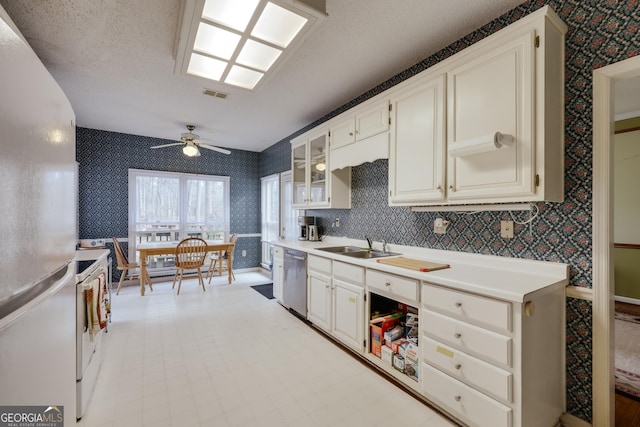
x: 369, y: 242
x: 384, y: 245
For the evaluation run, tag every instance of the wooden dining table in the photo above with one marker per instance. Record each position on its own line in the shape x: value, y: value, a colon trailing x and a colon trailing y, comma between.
x: 168, y: 248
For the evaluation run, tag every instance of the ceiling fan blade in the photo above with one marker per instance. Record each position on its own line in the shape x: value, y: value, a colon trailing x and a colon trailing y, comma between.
x: 211, y: 147
x: 167, y: 145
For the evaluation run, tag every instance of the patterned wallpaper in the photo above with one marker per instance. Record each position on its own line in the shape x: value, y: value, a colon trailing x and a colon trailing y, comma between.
x: 601, y: 32
x: 104, y: 159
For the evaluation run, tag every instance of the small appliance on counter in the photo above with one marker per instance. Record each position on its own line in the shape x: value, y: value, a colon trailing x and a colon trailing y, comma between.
x: 304, y: 222
x: 313, y: 233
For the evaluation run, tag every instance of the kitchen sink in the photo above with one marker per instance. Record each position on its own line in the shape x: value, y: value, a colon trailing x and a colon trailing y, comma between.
x: 356, y: 252
x: 343, y: 249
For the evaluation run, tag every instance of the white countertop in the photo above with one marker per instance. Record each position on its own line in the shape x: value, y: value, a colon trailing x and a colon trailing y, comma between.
x: 90, y: 254
x: 511, y: 279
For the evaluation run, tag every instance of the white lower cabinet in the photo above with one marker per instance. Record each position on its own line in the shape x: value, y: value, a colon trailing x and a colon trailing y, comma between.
x: 467, y: 404
x: 278, y: 272
x: 490, y: 362
x: 336, y: 299
x: 486, y: 361
x: 348, y: 317
x: 319, y: 291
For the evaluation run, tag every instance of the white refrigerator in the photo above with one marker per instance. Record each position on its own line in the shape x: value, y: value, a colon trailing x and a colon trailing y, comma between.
x: 38, y: 234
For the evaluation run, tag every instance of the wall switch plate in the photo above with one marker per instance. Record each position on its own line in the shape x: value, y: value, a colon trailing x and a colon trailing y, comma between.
x: 506, y: 229
x: 337, y: 222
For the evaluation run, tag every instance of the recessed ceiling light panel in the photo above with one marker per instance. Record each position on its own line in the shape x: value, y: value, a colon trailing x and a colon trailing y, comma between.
x: 204, y: 66
x: 215, y: 41
x: 243, y: 77
x: 258, y: 55
x: 234, y: 14
x: 278, y: 25
x: 237, y: 42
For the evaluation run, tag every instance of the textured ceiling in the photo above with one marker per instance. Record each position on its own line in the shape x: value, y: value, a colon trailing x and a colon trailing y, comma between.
x: 114, y: 60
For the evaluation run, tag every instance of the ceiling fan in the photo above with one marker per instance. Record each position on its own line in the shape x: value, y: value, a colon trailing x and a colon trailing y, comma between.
x: 191, y: 142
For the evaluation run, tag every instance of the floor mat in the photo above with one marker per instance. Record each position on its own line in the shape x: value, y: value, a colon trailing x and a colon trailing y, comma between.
x: 627, y: 360
x: 266, y: 290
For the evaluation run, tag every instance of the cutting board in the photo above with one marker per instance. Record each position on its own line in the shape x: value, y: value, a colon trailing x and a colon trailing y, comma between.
x: 413, y: 264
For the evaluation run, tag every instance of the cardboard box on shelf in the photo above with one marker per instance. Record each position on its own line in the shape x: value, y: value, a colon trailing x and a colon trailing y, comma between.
x: 395, y: 345
x: 387, y: 355
x: 411, y: 360
x: 393, y: 334
x: 378, y: 327
x: 398, y: 362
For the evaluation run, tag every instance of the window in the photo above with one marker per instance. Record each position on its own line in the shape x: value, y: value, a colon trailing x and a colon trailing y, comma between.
x: 270, y: 197
x: 167, y: 206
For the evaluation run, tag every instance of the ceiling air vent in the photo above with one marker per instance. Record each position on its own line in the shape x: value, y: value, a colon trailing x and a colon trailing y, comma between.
x: 216, y: 94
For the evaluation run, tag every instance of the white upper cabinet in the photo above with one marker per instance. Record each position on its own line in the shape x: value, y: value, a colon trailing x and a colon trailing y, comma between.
x: 417, y: 157
x: 361, y: 135
x: 360, y: 125
x: 314, y: 185
x: 505, y: 109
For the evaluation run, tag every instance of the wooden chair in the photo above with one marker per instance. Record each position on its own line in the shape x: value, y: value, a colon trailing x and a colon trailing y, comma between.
x: 217, y: 258
x: 190, y: 255
x: 128, y: 268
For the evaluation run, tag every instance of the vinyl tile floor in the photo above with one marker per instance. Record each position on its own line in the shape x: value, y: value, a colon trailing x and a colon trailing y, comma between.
x: 231, y: 357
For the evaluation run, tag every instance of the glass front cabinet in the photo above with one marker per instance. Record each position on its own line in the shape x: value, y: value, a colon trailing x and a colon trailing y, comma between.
x: 314, y: 184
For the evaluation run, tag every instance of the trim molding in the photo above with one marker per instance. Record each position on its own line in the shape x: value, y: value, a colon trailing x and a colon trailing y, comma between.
x: 602, y: 221
x: 626, y: 246
x: 579, y: 292
x: 568, y: 420
x: 627, y: 300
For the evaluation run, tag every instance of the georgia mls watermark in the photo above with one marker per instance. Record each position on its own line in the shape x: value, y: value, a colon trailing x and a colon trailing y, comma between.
x: 31, y: 416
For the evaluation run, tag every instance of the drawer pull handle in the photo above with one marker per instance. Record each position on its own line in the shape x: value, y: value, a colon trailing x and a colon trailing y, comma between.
x: 458, y: 365
x: 388, y: 284
x: 458, y: 304
x: 458, y: 398
x: 457, y: 335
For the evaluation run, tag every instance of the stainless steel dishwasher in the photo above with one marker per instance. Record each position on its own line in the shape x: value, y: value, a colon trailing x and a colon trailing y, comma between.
x: 295, y: 281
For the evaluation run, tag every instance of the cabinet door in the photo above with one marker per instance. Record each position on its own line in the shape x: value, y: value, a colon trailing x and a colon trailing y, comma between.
x: 343, y: 133
x: 416, y: 156
x: 299, y: 166
x: 320, y: 300
x: 348, y: 307
x: 318, y: 173
x: 372, y: 121
x: 278, y: 274
x: 493, y: 91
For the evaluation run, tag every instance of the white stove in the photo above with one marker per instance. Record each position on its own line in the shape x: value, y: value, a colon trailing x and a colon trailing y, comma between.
x: 92, y: 271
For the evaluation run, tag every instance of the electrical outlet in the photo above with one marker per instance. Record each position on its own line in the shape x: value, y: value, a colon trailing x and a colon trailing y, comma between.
x: 440, y: 226
x: 506, y: 229
x: 244, y: 253
x: 337, y: 222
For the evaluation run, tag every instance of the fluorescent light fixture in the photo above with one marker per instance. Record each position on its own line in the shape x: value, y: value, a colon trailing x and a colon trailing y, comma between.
x: 475, y: 208
x: 240, y: 42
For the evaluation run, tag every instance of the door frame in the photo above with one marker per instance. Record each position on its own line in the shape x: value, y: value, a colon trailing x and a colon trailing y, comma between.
x: 602, y: 222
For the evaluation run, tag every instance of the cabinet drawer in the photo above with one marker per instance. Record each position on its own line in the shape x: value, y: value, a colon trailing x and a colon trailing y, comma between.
x: 472, y: 308
x: 400, y: 286
x: 278, y: 252
x: 319, y: 264
x: 471, y: 406
x: 486, y: 344
x: 471, y: 370
x: 348, y: 272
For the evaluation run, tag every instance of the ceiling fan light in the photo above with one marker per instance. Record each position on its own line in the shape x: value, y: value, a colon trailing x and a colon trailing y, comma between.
x: 190, y: 150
